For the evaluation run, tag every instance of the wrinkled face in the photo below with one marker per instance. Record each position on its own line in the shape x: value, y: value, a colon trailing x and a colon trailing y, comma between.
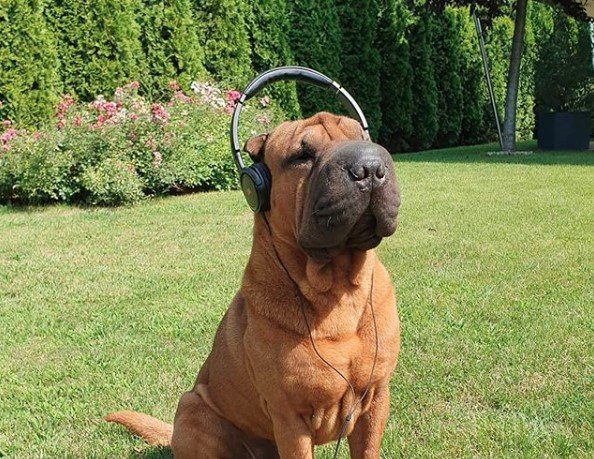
x: 331, y: 190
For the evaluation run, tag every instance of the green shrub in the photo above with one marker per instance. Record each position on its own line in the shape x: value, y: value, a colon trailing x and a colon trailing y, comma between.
x: 222, y: 29
x: 447, y: 69
x: 315, y: 39
x: 474, y: 93
x: 360, y: 59
x: 29, y: 81
x: 170, y: 42
x: 564, y: 62
x: 37, y: 170
x: 270, y: 48
x: 424, y: 89
x: 114, y: 152
x: 395, y: 74
x: 111, y: 182
x: 98, y: 44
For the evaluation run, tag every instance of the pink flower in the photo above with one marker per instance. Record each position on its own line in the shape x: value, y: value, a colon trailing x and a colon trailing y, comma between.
x: 65, y: 103
x: 174, y: 85
x: 8, y: 135
x: 133, y: 116
x: 111, y: 108
x: 36, y: 135
x: 181, y: 97
x: 232, y: 96
x: 134, y: 85
x: 77, y: 120
x: 119, y: 92
x: 6, y: 124
x: 60, y: 124
x: 159, y: 113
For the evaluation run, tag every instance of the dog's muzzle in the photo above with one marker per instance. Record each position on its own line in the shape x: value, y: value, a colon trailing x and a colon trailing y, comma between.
x: 352, y: 200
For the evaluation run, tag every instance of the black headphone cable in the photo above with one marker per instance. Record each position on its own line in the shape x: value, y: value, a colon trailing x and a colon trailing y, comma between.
x: 299, y: 298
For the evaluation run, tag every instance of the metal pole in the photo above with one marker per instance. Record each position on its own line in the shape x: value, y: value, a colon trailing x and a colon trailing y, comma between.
x: 485, y: 58
x: 592, y: 41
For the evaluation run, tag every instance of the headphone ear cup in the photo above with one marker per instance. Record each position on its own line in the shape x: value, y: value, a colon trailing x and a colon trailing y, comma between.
x: 255, y: 184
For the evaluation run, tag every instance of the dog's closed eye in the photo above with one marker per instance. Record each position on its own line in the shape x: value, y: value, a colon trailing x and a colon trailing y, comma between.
x: 305, y: 154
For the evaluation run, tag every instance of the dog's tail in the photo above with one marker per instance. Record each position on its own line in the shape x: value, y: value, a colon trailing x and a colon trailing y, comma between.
x: 152, y: 430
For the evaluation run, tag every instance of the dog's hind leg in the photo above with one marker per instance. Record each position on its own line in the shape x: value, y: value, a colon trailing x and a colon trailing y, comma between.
x: 199, y: 432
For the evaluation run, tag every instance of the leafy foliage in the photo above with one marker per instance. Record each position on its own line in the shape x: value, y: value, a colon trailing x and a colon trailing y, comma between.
x: 98, y: 44
x: 315, y: 38
x: 447, y: 68
x: 116, y: 152
x: 360, y: 59
x: 170, y: 43
x: 270, y: 48
x: 474, y: 91
x: 395, y: 74
x: 222, y: 30
x: 29, y: 81
x: 565, y: 46
x: 424, y: 88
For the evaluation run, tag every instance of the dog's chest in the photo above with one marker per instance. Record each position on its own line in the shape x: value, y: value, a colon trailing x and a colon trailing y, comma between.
x: 324, y: 373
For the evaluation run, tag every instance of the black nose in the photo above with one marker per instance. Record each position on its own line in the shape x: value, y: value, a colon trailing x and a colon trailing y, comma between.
x: 366, y: 168
x: 365, y: 162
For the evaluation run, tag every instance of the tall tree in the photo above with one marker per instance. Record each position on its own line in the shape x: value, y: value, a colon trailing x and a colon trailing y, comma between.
x: 447, y: 68
x: 567, y: 43
x: 29, y: 82
x: 395, y: 74
x: 270, y: 48
x: 474, y: 95
x: 424, y: 89
x: 98, y: 44
x: 360, y: 59
x: 491, y: 9
x: 315, y: 39
x: 223, y: 32
x: 170, y: 42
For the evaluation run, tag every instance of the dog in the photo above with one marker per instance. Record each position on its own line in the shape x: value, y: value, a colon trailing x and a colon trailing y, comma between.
x: 305, y: 352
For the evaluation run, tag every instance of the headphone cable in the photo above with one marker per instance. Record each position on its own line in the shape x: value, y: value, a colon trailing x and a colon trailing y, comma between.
x: 299, y: 298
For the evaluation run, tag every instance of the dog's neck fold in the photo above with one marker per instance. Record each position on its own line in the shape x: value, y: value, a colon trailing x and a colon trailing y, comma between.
x: 319, y: 282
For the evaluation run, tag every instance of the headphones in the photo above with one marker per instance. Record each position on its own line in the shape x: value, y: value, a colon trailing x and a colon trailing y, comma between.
x: 255, y: 180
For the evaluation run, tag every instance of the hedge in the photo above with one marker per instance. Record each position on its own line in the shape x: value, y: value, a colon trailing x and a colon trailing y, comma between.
x: 269, y: 30
x: 315, y: 38
x: 424, y: 88
x: 223, y: 31
x: 170, y: 44
x: 418, y: 76
x: 98, y: 44
x: 29, y: 80
x: 396, y: 74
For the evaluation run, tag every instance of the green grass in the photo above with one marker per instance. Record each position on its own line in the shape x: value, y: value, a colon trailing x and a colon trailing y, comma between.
x: 493, y: 264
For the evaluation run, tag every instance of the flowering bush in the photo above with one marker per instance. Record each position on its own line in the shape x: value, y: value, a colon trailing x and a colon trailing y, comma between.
x: 117, y: 151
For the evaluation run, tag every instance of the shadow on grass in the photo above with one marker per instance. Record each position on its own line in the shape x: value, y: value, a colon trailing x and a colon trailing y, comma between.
x: 478, y: 154
x: 155, y: 453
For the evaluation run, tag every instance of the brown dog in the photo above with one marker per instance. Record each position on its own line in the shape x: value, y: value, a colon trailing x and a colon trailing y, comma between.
x: 313, y: 285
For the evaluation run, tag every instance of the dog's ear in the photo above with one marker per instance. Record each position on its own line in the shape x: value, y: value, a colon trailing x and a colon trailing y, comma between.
x: 255, y: 147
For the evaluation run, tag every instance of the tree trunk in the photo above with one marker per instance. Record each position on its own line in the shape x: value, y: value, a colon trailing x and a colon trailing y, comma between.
x: 513, y: 78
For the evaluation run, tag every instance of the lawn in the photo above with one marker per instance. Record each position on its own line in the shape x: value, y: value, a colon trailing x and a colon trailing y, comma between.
x: 493, y: 264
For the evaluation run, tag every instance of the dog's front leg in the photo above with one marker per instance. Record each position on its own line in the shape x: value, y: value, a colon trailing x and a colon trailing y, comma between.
x: 292, y: 436
x: 366, y: 438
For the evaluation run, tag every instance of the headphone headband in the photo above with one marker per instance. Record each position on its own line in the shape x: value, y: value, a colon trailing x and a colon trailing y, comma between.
x: 303, y: 74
